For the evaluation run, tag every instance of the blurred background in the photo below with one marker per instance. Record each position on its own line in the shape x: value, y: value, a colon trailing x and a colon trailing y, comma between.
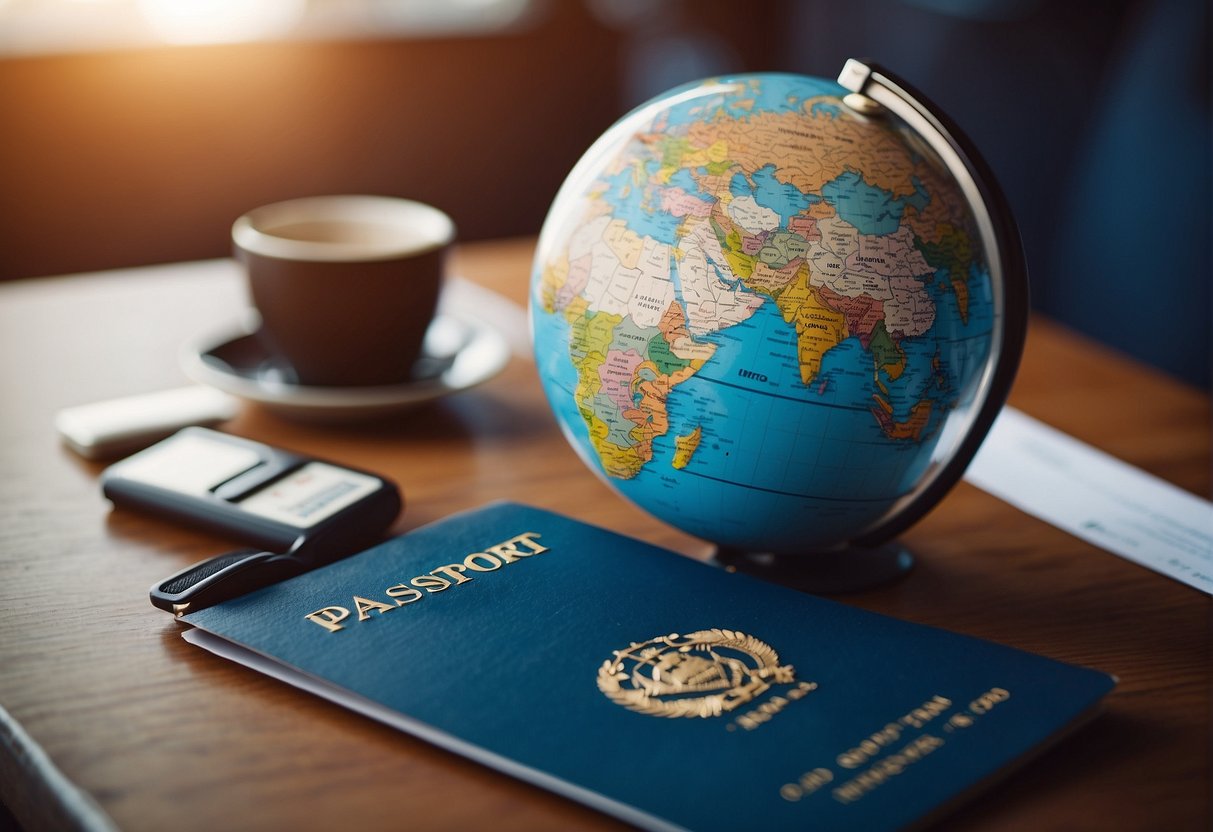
x: 134, y: 131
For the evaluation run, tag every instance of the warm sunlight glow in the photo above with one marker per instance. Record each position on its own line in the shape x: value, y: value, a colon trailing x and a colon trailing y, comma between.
x: 213, y: 21
x: 38, y: 27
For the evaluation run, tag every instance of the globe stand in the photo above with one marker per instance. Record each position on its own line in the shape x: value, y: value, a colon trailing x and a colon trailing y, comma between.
x: 852, y: 569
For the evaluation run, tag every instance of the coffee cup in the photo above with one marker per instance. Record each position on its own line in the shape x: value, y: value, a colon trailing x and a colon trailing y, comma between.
x: 345, y: 286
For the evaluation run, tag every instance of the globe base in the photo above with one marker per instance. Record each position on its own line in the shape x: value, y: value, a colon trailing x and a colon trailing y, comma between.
x: 853, y: 569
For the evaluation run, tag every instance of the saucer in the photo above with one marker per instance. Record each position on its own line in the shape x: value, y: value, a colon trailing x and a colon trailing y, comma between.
x: 459, y: 353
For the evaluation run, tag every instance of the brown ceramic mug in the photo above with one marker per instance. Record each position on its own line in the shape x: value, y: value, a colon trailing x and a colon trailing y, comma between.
x: 346, y: 286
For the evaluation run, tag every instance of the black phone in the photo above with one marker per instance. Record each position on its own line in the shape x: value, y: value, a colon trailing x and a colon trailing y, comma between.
x: 299, y: 511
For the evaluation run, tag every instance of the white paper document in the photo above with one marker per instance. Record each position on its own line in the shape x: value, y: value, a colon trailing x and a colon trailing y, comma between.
x: 1097, y: 497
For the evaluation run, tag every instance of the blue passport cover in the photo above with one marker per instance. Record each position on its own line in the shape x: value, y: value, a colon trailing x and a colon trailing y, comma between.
x: 651, y: 686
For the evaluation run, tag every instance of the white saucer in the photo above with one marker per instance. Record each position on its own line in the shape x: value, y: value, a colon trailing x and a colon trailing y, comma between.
x: 459, y: 353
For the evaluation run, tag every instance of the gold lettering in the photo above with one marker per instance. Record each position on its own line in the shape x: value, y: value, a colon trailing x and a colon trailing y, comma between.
x: 437, y: 580
x: 366, y: 606
x: 891, y: 766
x: 472, y: 562
x: 430, y: 583
x: 870, y: 747
x: 815, y: 779
x: 404, y: 594
x: 329, y: 618
x: 525, y: 540
x: 453, y: 570
x: 847, y: 793
x: 986, y: 702
x: 509, y: 551
x: 766, y: 711
x: 809, y: 783
x: 870, y: 779
x: 930, y: 709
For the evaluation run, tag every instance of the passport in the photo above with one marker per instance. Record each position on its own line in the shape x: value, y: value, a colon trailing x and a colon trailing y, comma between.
x: 664, y: 691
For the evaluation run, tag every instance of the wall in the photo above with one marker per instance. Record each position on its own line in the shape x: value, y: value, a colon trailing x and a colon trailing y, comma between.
x: 122, y: 158
x: 1095, y: 117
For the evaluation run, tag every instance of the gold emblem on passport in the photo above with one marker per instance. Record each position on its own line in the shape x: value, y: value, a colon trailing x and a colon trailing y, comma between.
x: 702, y: 674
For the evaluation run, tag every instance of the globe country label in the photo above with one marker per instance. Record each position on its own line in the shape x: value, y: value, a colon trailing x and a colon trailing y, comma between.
x: 754, y: 311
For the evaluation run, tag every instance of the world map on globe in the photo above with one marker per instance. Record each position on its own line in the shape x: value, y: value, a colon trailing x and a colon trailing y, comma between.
x: 756, y: 311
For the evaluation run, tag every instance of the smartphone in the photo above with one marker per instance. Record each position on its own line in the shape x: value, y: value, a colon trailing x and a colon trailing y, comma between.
x: 298, y: 511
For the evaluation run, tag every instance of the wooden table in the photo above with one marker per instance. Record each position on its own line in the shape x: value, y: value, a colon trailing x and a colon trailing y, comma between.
x: 110, y: 717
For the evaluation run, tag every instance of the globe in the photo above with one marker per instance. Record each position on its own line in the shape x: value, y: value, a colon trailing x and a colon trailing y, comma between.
x: 764, y: 312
